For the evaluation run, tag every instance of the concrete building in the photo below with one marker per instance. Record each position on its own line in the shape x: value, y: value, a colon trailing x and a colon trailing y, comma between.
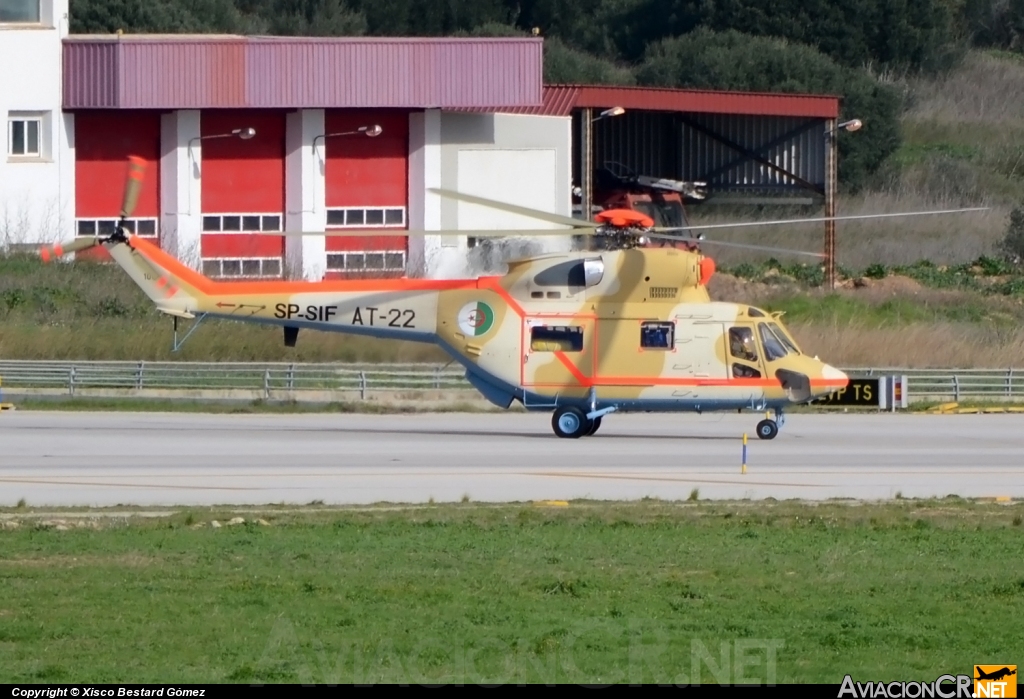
x: 245, y: 136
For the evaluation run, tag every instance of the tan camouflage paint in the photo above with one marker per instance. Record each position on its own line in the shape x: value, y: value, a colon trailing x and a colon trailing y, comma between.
x: 637, y: 285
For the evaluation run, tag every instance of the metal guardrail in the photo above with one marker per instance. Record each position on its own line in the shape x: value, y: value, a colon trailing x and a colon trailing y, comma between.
x: 270, y: 378
x: 211, y: 376
x: 954, y: 384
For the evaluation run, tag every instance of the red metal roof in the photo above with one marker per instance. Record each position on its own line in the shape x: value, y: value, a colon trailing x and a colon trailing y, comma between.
x: 560, y: 100
x: 186, y: 71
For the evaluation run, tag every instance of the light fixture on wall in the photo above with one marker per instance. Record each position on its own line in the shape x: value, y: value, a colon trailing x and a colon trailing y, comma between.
x: 612, y: 112
x: 243, y: 133
x: 369, y: 131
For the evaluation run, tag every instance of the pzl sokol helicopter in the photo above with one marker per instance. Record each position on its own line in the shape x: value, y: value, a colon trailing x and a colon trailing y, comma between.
x: 617, y: 328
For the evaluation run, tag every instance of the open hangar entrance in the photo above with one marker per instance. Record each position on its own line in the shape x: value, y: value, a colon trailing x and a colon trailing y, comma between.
x: 746, y: 149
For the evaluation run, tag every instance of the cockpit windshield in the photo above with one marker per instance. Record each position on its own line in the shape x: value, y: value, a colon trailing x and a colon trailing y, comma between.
x: 773, y: 347
x: 784, y: 337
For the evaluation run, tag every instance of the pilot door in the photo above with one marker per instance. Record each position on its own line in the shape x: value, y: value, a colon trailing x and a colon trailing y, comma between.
x: 558, y: 352
x: 746, y: 362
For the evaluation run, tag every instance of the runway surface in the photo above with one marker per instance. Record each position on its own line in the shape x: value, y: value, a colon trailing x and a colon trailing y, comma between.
x: 103, y: 459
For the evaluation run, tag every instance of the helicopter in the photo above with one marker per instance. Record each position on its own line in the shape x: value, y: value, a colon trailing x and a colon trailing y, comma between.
x: 619, y: 327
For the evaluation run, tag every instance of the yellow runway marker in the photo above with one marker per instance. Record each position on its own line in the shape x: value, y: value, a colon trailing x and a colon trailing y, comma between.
x: 552, y: 503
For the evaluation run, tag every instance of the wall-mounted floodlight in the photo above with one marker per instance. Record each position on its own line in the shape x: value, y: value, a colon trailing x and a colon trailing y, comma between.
x: 245, y: 134
x: 851, y: 125
x: 370, y: 131
x: 612, y: 112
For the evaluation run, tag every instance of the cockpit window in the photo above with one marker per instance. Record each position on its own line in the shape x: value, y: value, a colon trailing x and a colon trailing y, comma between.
x: 784, y: 336
x: 741, y: 344
x: 773, y: 348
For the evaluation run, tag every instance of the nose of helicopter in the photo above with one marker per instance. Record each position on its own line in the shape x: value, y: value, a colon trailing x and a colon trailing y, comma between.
x: 832, y: 379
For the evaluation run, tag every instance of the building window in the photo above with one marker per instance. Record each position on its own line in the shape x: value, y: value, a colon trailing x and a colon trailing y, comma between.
x: 20, y: 12
x: 243, y: 267
x: 142, y: 227
x: 366, y: 261
x: 241, y: 223
x: 366, y: 217
x: 23, y: 135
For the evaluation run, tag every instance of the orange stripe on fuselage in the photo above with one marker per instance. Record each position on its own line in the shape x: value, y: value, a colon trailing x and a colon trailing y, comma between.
x: 210, y: 287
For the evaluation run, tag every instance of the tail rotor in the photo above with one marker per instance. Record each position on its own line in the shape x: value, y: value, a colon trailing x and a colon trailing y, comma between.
x: 132, y: 187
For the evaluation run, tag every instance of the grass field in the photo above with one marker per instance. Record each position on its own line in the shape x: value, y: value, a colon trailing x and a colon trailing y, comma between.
x: 652, y: 592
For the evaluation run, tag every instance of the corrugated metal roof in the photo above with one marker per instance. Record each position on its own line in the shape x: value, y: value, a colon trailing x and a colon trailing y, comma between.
x: 560, y: 100
x: 188, y: 71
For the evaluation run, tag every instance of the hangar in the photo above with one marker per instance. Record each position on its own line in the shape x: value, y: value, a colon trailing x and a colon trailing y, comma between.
x: 247, y: 136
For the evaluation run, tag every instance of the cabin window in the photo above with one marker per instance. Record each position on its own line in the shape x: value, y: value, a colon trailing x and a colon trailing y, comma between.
x: 742, y: 371
x: 657, y: 335
x: 773, y: 349
x: 784, y: 336
x: 556, y: 338
x: 741, y: 344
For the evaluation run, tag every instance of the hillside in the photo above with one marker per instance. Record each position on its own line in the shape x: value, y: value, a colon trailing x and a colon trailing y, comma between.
x: 962, y: 146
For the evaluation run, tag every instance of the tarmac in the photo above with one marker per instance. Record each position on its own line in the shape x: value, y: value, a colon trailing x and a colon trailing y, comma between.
x: 167, y: 459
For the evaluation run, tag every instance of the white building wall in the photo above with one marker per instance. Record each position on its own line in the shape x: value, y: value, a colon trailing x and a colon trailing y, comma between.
x: 425, y: 252
x: 181, y: 192
x: 305, y: 180
x: 37, y: 193
x: 520, y: 159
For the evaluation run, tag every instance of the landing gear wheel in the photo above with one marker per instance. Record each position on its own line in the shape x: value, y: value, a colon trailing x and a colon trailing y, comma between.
x: 767, y: 429
x: 570, y: 423
x: 595, y: 425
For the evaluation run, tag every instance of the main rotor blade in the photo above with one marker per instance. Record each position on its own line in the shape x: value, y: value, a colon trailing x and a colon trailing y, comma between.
x: 515, y: 209
x: 814, y: 220
x: 51, y: 252
x: 735, y: 245
x: 490, y: 233
x: 132, y: 185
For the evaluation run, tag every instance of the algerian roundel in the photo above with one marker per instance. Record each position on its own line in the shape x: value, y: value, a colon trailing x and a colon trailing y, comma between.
x: 476, y: 318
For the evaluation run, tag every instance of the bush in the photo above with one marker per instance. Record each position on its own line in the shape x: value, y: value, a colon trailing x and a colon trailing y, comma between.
x: 876, y: 271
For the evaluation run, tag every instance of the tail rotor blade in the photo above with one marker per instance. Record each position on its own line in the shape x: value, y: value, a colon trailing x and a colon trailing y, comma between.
x: 52, y: 252
x: 133, y: 185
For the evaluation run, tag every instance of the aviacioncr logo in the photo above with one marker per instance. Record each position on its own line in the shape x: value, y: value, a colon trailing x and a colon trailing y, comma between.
x: 476, y: 318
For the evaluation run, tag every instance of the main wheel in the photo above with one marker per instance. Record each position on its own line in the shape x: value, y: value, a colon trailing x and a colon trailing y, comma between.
x: 767, y: 429
x: 570, y: 423
x: 595, y: 425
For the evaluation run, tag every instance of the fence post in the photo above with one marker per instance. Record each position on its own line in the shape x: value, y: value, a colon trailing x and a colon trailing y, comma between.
x: 362, y: 385
x: 266, y: 384
x: 291, y: 377
x: 437, y: 378
x: 71, y: 381
x: 956, y: 388
x: 138, y: 376
x: 1009, y: 382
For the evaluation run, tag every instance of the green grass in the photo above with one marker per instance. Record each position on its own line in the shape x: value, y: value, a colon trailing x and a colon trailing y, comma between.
x: 833, y: 308
x: 515, y: 593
